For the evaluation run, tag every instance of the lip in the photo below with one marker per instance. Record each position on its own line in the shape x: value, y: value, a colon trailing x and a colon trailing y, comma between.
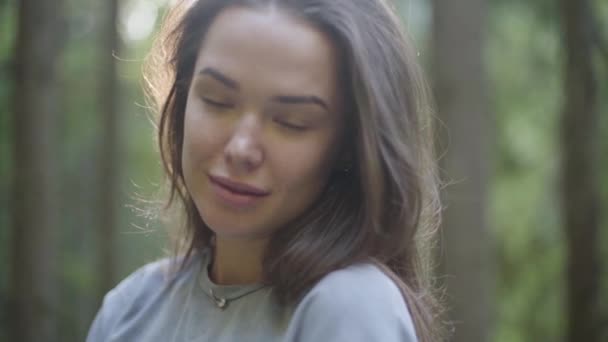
x: 237, y: 187
x: 236, y: 194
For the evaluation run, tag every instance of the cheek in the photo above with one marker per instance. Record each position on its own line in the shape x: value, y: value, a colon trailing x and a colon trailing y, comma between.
x: 201, y: 137
x: 304, y: 167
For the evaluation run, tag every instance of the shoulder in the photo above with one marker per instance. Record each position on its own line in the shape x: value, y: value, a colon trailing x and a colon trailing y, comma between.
x: 138, y: 290
x: 365, y: 282
x: 154, y: 274
x: 361, y: 288
x: 357, y: 303
x: 147, y: 278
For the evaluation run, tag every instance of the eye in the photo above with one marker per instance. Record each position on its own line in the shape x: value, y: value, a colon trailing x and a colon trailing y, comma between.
x: 217, y: 104
x: 291, y: 126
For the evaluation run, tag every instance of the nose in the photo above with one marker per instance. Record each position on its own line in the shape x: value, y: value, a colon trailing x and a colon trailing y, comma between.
x: 243, y: 151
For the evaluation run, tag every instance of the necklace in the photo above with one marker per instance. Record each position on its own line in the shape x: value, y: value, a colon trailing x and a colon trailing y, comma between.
x: 222, y: 295
x: 222, y: 302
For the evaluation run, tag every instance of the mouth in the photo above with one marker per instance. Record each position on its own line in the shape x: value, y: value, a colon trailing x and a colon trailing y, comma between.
x: 237, y: 187
x: 236, y: 194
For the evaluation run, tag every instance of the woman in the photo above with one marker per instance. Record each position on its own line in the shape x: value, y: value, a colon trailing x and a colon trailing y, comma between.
x: 296, y: 135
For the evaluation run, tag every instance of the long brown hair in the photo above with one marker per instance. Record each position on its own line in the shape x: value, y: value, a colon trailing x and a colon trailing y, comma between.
x: 385, y: 209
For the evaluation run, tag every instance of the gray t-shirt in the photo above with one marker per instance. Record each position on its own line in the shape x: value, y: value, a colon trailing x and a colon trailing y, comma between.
x: 357, y: 303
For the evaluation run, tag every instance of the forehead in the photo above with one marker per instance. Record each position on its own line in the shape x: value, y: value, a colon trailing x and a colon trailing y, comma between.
x: 271, y: 49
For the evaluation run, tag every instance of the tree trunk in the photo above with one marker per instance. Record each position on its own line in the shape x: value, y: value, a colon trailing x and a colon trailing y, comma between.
x: 580, y: 181
x: 35, y: 197
x: 461, y: 101
x: 110, y: 141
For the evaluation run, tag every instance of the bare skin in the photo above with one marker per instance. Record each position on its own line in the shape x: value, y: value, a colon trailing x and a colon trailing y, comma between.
x: 262, y: 129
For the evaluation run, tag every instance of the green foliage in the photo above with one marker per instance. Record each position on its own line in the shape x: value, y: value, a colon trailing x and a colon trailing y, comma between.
x: 7, y: 41
x: 602, y: 62
x: 139, y: 172
x: 524, y: 68
x: 525, y: 60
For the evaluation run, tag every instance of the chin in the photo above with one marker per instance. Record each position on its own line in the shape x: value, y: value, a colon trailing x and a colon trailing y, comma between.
x: 235, y: 229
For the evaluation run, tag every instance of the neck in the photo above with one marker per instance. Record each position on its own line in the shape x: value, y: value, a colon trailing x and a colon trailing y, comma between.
x: 237, y: 261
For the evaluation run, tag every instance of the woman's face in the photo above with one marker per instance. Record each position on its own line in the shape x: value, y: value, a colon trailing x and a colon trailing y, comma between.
x: 263, y: 121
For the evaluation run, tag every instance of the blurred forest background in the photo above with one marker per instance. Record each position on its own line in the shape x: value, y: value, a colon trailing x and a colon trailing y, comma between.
x: 522, y: 95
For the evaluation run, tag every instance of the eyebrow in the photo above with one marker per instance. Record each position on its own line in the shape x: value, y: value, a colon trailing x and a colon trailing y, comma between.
x: 218, y: 76
x: 286, y: 99
x: 289, y: 99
